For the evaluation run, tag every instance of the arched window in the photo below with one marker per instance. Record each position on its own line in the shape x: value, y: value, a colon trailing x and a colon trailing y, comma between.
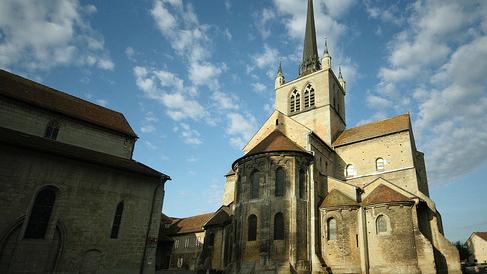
x: 278, y: 226
x: 280, y: 182
x: 254, y: 185
x: 302, y: 184
x: 295, y: 101
x: 380, y: 164
x: 52, y: 129
x: 40, y: 214
x: 309, y: 96
x: 350, y: 171
x: 252, y: 229
x: 116, y: 221
x: 331, y: 226
x: 381, y: 224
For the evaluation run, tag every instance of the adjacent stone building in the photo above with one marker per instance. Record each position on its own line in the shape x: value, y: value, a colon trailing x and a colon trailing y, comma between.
x: 313, y: 196
x: 477, y: 247
x: 72, y: 198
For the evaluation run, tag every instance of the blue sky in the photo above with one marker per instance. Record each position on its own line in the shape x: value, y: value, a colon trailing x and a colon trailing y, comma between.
x: 195, y: 79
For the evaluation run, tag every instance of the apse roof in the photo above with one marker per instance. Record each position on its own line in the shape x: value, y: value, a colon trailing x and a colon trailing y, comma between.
x: 35, y: 94
x: 373, y: 130
x: 276, y: 141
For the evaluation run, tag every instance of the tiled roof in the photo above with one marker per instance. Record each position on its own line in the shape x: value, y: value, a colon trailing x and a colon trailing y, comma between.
x: 384, y: 194
x: 336, y: 199
x: 276, y: 141
x: 32, y: 93
x: 166, y: 219
x: 190, y: 224
x: 373, y: 130
x: 482, y: 235
x: 36, y: 143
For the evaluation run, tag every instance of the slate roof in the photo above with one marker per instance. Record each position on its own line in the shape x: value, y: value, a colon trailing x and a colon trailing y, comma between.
x: 44, y: 145
x: 482, y: 235
x: 38, y: 95
x: 337, y: 199
x: 373, y: 130
x: 276, y: 141
x: 189, y: 224
x: 384, y: 194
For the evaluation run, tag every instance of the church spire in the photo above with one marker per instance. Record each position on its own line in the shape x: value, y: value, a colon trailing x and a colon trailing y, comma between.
x: 310, y: 62
x: 279, y: 77
x: 326, y: 59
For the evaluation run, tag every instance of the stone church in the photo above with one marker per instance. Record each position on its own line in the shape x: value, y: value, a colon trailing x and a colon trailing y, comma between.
x: 72, y: 199
x: 313, y: 196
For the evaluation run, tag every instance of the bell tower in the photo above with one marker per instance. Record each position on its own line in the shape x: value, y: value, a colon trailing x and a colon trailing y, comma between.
x: 316, y: 98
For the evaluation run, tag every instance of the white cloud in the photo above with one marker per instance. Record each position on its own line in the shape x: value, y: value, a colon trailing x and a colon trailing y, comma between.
x: 240, y: 128
x: 438, y: 60
x: 39, y: 35
x: 270, y: 57
x: 147, y: 129
x: 189, y: 135
x: 259, y: 87
x: 262, y: 19
x: 203, y: 73
x: 168, y: 89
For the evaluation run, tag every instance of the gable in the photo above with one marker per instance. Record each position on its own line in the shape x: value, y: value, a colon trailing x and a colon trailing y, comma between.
x: 275, y: 141
x: 384, y: 194
x: 337, y: 199
x: 293, y: 130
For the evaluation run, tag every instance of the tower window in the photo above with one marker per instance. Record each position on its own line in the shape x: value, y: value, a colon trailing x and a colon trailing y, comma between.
x: 350, y: 171
x: 331, y: 226
x: 252, y: 229
x: 309, y: 96
x: 379, y: 164
x: 295, y: 101
x: 40, y: 214
x: 254, y: 185
x: 278, y: 226
x: 116, y: 221
x: 302, y: 184
x: 280, y: 182
x: 52, y: 130
x: 381, y: 224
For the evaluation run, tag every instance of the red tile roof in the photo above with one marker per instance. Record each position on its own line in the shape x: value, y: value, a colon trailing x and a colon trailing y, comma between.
x: 482, y: 235
x: 337, y: 199
x: 35, y: 143
x: 190, y: 224
x: 384, y: 194
x: 373, y: 130
x: 276, y: 141
x: 35, y: 94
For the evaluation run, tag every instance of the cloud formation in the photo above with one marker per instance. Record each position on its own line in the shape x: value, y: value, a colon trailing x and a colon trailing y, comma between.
x: 433, y: 67
x: 42, y: 34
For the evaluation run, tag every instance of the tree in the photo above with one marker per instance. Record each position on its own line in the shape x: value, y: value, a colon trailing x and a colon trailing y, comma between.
x: 462, y: 250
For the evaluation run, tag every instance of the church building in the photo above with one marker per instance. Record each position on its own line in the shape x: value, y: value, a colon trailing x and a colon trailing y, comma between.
x: 313, y: 196
x: 72, y: 199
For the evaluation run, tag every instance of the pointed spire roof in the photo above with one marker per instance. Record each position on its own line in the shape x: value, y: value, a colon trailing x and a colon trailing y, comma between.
x: 325, y: 52
x: 279, y: 69
x: 340, y: 76
x: 311, y: 61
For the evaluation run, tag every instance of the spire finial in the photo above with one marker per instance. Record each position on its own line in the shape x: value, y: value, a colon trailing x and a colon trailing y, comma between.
x: 279, y: 69
x: 310, y: 61
x: 340, y: 76
x: 326, y: 47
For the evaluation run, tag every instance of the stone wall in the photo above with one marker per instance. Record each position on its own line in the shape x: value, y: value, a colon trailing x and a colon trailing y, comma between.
x: 25, y: 118
x: 84, y: 209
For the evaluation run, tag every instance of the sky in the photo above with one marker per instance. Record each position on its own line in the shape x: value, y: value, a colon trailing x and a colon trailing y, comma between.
x: 195, y: 79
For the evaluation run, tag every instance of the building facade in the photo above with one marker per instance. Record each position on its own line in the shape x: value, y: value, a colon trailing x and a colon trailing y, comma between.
x: 313, y: 196
x: 477, y: 247
x: 73, y: 199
